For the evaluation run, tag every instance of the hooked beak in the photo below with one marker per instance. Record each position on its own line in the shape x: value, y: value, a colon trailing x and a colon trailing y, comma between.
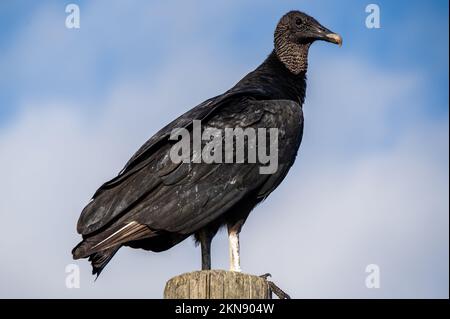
x: 333, y: 38
x: 322, y: 33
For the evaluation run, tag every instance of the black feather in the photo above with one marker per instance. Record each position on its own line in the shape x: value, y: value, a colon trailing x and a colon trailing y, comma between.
x: 177, y: 200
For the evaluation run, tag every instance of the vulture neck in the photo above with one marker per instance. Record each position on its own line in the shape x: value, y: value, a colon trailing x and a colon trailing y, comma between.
x: 275, y: 78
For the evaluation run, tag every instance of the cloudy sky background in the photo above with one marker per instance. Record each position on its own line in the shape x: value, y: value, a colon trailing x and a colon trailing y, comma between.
x: 370, y: 185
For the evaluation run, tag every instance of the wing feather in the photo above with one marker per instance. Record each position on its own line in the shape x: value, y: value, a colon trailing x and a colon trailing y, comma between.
x: 183, y: 198
x: 142, y: 173
x: 129, y: 232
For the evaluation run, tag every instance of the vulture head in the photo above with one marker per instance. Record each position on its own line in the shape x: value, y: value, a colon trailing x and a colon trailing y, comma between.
x: 294, y: 34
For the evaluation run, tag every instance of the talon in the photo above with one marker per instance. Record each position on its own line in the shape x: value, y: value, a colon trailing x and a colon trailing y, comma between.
x: 274, y: 288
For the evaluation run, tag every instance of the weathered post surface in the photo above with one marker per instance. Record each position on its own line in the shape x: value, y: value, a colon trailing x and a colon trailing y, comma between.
x: 217, y: 284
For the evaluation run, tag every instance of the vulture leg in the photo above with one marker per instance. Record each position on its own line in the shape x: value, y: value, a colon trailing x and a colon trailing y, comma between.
x: 233, y: 238
x: 205, y: 242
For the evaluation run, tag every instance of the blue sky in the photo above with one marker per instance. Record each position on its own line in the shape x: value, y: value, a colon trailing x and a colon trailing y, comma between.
x: 413, y: 36
x: 373, y: 166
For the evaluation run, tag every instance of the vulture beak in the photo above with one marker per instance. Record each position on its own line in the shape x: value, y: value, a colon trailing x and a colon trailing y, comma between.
x: 334, y: 38
x: 322, y: 33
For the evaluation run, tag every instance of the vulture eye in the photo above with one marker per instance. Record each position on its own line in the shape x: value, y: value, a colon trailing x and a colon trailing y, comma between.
x: 298, y: 21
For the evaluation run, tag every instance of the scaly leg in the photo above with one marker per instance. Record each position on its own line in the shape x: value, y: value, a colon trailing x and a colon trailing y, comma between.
x: 233, y: 237
x: 205, y: 242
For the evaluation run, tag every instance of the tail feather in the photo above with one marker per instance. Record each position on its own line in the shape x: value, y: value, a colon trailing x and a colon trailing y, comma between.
x: 101, y: 247
x: 82, y: 250
x: 100, y: 259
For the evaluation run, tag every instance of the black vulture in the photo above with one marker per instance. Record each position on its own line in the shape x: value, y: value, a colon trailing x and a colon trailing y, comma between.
x: 155, y: 202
